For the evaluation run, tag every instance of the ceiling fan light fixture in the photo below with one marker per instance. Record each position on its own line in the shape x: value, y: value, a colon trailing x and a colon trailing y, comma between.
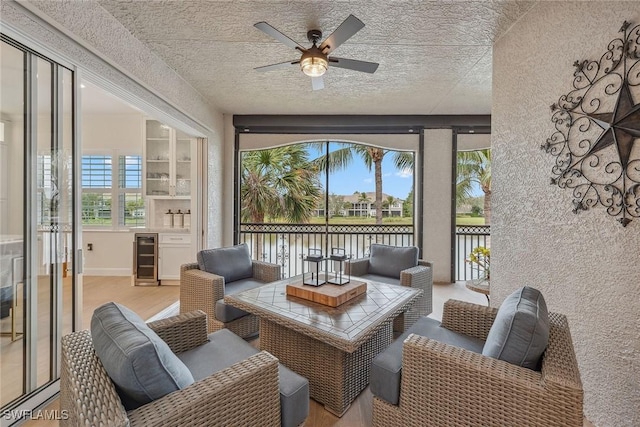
x: 314, y: 66
x: 315, y: 60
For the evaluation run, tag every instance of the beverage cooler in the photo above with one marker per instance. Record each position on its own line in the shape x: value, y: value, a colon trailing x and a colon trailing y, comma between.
x: 145, y: 258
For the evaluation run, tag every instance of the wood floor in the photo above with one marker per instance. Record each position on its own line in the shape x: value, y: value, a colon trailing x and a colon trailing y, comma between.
x: 144, y: 300
x: 148, y: 301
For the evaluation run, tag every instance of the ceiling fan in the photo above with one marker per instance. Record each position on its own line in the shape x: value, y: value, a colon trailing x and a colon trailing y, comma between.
x: 315, y: 60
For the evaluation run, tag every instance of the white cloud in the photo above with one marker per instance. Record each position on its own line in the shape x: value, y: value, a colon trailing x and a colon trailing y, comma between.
x: 405, y: 173
x: 368, y: 180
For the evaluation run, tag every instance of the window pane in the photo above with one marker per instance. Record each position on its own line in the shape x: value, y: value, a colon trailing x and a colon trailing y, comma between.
x: 96, y: 208
x: 96, y: 172
x: 130, y: 171
x: 131, y: 209
x: 131, y: 203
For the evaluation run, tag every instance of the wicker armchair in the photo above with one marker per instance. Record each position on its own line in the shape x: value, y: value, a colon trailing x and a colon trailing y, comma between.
x: 246, y: 393
x: 200, y: 290
x: 419, y: 277
x: 442, y: 385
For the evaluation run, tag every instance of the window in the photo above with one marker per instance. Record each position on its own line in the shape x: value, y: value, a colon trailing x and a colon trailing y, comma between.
x: 131, y: 211
x: 103, y: 203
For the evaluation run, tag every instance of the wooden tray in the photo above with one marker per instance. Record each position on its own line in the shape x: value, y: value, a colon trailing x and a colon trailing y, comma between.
x: 328, y: 294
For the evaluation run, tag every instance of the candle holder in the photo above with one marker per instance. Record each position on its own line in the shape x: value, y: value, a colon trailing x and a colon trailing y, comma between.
x: 338, y: 257
x: 314, y: 260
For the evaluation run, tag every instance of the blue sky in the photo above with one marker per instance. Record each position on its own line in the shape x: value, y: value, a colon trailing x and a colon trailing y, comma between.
x: 395, y: 182
x: 358, y: 178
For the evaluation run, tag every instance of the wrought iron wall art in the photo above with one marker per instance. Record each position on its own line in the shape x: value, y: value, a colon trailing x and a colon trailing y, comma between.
x: 596, y: 142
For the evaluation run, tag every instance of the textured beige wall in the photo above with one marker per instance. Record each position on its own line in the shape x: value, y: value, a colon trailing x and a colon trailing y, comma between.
x: 436, y: 242
x: 227, y: 182
x: 216, y: 222
x: 586, y: 265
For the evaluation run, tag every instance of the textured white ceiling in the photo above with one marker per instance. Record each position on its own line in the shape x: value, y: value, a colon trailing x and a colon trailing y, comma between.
x: 435, y: 57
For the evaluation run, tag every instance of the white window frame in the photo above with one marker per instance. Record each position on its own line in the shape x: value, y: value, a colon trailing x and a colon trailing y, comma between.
x: 115, y: 191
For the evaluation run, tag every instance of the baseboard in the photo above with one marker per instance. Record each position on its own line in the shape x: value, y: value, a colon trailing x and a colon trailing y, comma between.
x: 107, y: 272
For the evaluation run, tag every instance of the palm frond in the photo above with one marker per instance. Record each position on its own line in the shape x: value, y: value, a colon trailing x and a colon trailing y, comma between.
x: 403, y: 160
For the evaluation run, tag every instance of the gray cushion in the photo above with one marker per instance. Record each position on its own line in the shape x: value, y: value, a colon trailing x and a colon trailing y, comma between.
x: 386, y: 368
x: 233, y: 263
x: 227, y: 313
x: 520, y: 333
x: 138, y: 361
x: 225, y: 348
x: 383, y: 279
x: 389, y: 261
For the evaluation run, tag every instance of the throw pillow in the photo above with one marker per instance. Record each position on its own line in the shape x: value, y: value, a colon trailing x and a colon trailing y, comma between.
x: 520, y: 333
x: 389, y: 261
x: 233, y: 263
x: 138, y: 361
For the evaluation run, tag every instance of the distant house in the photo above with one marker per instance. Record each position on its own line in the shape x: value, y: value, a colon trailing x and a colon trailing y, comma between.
x: 356, y: 205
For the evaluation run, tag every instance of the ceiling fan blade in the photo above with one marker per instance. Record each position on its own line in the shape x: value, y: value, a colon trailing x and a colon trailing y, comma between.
x: 277, y: 66
x: 269, y: 30
x: 353, y: 64
x: 344, y: 32
x: 317, y: 83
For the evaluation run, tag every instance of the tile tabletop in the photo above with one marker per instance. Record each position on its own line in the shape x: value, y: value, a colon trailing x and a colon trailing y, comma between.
x: 346, y: 323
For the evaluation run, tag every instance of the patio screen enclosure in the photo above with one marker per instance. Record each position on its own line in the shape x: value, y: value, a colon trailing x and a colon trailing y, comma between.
x: 294, y: 195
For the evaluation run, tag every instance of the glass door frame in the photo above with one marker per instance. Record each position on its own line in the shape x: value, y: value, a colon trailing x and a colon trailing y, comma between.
x: 33, y: 395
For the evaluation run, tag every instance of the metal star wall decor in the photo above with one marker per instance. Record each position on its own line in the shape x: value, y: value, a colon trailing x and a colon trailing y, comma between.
x: 596, y: 142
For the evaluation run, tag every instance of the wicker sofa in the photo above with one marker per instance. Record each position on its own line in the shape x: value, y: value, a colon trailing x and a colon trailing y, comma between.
x: 419, y: 276
x: 247, y: 392
x: 444, y: 385
x: 202, y: 290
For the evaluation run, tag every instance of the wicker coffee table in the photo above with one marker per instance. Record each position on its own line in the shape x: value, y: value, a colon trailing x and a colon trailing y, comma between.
x: 331, y: 347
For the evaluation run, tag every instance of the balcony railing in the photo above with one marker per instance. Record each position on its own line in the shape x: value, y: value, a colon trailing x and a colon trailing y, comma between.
x: 469, y: 237
x: 287, y: 244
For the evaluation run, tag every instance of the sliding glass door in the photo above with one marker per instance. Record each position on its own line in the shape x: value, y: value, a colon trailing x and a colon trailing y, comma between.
x: 39, y: 278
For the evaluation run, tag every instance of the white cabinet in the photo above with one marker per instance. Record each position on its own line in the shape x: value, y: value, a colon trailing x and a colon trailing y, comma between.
x: 174, y: 249
x: 167, y: 161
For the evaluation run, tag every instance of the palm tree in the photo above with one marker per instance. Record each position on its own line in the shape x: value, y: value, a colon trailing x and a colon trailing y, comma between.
x: 278, y: 183
x: 372, y: 157
x: 475, y: 167
x: 364, y: 199
x: 388, y: 203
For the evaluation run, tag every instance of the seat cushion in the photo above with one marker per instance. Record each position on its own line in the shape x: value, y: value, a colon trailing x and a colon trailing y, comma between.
x: 382, y: 279
x: 389, y: 261
x: 233, y: 263
x: 386, y: 368
x: 138, y: 361
x: 225, y: 348
x: 520, y: 333
x: 226, y: 313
